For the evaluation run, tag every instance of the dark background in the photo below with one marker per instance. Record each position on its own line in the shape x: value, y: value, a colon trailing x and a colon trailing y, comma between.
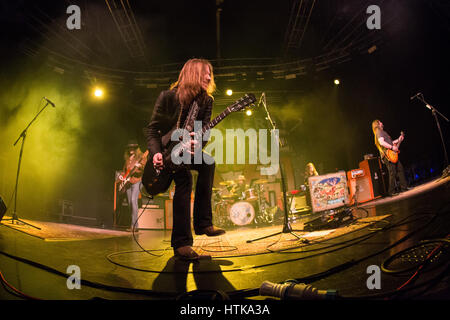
x: 73, y: 150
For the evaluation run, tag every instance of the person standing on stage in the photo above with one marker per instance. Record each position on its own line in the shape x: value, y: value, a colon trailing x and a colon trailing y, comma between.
x: 384, y: 142
x: 310, y: 170
x: 195, y: 82
x: 133, y: 167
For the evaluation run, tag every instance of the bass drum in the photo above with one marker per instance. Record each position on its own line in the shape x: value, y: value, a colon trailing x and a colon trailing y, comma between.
x: 242, y: 213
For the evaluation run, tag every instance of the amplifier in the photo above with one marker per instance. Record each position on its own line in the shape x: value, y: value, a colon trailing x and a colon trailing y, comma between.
x: 360, y: 187
x: 372, y: 169
x: 151, y: 218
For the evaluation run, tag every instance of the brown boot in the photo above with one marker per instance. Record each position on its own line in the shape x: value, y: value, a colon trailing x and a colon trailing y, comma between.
x: 186, y: 253
x: 211, y: 231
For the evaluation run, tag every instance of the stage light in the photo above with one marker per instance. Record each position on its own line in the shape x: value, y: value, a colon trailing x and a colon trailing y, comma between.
x: 336, y: 82
x: 98, y: 92
x: 248, y: 112
x: 229, y: 92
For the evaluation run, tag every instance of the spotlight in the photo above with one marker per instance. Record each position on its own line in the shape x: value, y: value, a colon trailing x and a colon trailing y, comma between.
x: 336, y: 82
x: 98, y: 92
x: 229, y: 92
x: 248, y: 112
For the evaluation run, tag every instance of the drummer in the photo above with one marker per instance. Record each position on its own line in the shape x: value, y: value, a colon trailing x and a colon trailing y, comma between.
x: 240, y: 187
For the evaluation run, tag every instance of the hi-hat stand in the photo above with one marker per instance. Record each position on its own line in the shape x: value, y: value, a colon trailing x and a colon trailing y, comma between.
x: 446, y: 171
x: 23, y: 136
x: 286, y: 225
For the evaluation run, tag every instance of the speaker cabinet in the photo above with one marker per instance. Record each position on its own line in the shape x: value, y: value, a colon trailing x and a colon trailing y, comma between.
x: 359, y: 186
x: 373, y: 170
x: 151, y: 218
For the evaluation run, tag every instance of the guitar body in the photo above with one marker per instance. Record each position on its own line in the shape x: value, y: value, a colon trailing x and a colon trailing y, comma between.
x: 127, y: 180
x: 392, y: 156
x: 155, y: 181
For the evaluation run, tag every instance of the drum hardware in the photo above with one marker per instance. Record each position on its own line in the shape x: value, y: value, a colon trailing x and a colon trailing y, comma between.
x: 250, y: 195
x: 242, y: 209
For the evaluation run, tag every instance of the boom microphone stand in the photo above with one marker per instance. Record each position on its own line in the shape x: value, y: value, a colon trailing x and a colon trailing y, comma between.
x: 419, y: 96
x: 23, y: 136
x: 286, y: 226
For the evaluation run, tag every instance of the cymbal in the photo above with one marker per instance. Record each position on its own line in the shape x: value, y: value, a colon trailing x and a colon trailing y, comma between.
x: 215, y: 189
x: 226, y: 183
x: 231, y: 196
x: 260, y: 181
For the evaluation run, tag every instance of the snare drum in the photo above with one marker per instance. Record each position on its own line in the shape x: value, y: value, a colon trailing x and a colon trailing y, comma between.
x: 242, y: 213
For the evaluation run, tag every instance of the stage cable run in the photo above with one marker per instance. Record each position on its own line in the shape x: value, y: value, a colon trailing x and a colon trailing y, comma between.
x: 246, y: 293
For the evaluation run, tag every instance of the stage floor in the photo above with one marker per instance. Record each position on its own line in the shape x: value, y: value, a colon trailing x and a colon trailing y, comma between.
x: 113, y: 264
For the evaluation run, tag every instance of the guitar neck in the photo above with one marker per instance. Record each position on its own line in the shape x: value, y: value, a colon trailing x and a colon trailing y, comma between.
x: 216, y: 120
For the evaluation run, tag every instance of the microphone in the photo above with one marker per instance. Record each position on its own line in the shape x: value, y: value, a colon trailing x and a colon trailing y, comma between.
x: 414, y: 96
x: 53, y: 105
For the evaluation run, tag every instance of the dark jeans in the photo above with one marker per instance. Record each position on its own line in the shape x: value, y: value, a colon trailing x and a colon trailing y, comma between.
x: 396, y: 172
x: 181, y: 230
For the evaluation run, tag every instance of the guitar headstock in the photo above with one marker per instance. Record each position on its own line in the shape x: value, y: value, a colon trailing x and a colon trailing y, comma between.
x: 243, y: 102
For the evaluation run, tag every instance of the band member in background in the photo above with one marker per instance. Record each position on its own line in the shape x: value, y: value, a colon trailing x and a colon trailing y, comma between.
x: 240, y: 187
x: 384, y: 142
x: 310, y: 170
x: 132, y: 171
x: 195, y: 81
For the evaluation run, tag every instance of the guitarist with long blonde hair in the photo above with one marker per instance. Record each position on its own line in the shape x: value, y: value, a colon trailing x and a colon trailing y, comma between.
x: 195, y: 84
x: 389, y: 150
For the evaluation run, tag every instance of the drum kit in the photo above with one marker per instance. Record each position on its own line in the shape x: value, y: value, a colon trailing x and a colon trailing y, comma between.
x: 240, y: 206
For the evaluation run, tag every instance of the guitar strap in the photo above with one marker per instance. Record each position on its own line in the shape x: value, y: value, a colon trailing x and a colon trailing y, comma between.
x: 191, y: 117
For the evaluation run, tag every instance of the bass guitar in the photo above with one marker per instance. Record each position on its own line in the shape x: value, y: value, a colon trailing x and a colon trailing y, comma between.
x: 392, y: 155
x: 158, y: 180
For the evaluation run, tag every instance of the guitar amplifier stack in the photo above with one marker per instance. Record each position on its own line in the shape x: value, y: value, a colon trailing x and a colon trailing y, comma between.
x: 367, y: 182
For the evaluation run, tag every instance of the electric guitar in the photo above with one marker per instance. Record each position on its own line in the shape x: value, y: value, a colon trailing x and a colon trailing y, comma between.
x: 125, y: 179
x: 392, y: 155
x: 157, y: 180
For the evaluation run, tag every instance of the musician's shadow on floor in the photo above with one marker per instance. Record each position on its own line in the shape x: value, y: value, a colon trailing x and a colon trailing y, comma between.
x: 207, y: 274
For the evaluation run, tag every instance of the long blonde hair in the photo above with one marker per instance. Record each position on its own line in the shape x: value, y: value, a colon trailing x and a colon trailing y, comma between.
x: 375, y: 127
x: 308, y: 168
x: 189, y: 83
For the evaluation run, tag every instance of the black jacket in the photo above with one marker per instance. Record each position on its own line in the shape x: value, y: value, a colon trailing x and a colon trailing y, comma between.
x: 165, y: 116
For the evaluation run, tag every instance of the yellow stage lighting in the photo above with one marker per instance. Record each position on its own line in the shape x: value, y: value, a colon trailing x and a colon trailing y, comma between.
x: 248, y: 112
x: 336, y: 82
x: 98, y: 92
x: 229, y: 92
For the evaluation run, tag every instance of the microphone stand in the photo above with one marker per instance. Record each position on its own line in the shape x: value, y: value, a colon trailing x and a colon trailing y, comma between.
x: 286, y: 225
x: 22, y: 136
x: 419, y: 96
